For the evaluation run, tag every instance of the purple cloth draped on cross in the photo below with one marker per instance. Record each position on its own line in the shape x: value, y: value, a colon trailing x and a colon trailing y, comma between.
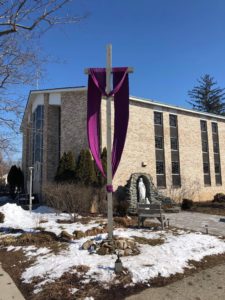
x: 96, y: 89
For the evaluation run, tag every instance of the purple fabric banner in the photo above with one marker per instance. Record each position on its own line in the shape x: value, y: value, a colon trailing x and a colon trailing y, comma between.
x: 96, y: 89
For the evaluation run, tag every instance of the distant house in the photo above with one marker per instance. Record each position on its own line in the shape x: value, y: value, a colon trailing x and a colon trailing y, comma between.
x: 181, y: 149
x: 3, y: 179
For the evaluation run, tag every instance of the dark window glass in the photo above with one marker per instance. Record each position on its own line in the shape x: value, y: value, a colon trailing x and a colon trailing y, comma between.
x: 159, y: 142
x: 37, y: 128
x: 158, y: 118
x: 216, y: 147
x: 218, y: 179
x: 217, y: 168
x: 203, y: 125
x: 176, y: 180
x: 159, y: 167
x: 174, y: 143
x: 175, y: 167
x: 206, y: 168
x: 207, y: 179
x: 204, y: 146
x: 161, y: 181
x: 173, y: 120
x: 214, y: 128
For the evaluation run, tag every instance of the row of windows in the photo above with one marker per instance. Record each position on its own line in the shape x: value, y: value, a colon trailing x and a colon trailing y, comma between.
x: 204, y: 127
x: 205, y: 147
x: 159, y: 148
x: 206, y: 168
x: 158, y: 119
x: 160, y: 167
x: 159, y: 143
x: 205, y: 151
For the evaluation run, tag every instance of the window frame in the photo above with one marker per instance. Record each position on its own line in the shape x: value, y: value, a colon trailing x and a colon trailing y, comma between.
x: 157, y: 113
x: 178, y: 167
x: 204, y: 164
x: 203, y: 128
x: 214, y: 127
x: 163, y: 167
x: 177, y: 146
x: 171, y: 116
x: 162, y: 142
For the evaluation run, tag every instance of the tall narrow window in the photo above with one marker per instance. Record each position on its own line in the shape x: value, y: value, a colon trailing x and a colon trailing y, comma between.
x: 158, y: 118
x: 205, y: 153
x: 159, y: 150
x: 216, y: 150
x: 175, y: 157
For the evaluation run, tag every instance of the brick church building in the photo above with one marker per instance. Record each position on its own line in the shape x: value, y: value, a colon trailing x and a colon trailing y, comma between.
x: 181, y: 149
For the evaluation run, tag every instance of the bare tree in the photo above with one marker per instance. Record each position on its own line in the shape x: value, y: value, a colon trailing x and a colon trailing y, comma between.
x: 28, y: 15
x: 189, y: 189
x: 21, y: 25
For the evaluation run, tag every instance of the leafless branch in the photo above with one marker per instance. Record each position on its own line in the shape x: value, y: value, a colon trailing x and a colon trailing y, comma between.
x: 28, y: 15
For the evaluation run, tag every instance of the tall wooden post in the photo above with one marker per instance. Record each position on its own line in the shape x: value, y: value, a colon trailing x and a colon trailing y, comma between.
x: 109, y: 135
x: 109, y: 140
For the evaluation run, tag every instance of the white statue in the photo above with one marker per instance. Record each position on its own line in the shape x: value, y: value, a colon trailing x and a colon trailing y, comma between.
x: 142, y: 190
x: 147, y: 201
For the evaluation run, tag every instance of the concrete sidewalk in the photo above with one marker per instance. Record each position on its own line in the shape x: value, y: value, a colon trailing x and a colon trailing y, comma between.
x: 205, y: 285
x: 197, y: 221
x: 8, y: 289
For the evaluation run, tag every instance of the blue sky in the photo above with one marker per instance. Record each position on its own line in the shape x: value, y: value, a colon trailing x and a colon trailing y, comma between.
x: 169, y: 43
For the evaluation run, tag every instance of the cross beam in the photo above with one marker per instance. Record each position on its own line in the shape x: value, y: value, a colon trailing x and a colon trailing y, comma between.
x: 129, y: 70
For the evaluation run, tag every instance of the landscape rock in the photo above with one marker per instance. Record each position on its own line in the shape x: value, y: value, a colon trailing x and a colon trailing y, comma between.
x: 66, y: 236
x: 78, y: 234
x: 87, y: 245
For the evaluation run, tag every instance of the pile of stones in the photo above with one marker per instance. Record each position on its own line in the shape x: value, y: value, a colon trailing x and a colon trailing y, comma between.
x: 119, y: 245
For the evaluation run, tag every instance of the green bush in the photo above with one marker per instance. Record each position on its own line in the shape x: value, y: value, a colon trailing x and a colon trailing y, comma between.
x: 85, y: 171
x: 186, y: 204
x: 2, y: 217
x: 220, y: 197
x: 15, y: 179
x: 66, y: 168
x: 121, y: 203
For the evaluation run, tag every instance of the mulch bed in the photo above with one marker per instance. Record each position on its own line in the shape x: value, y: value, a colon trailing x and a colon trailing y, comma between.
x: 209, y: 207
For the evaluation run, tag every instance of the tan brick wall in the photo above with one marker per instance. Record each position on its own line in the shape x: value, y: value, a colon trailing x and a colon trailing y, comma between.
x: 73, y: 122
x: 140, y: 147
x: 53, y: 141
x: 140, y: 143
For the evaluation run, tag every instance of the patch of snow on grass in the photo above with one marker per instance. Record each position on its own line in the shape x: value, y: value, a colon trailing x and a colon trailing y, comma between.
x: 17, y: 217
x: 73, y: 290
x: 13, y: 248
x: 167, y: 259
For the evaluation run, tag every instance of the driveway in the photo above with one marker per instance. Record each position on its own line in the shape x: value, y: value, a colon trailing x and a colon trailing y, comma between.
x: 197, y: 221
x: 205, y: 285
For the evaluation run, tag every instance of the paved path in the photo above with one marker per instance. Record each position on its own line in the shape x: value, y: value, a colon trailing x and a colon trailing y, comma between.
x: 205, y: 285
x: 8, y: 289
x: 197, y: 221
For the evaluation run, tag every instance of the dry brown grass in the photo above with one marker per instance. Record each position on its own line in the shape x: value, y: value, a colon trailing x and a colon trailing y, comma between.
x: 151, y: 242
